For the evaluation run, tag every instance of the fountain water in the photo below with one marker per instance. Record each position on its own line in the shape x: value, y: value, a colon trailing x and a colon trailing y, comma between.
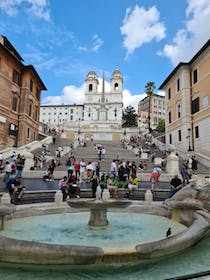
x: 190, y: 207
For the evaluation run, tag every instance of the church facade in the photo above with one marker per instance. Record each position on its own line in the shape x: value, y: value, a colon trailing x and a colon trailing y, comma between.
x: 103, y: 106
x: 100, y: 116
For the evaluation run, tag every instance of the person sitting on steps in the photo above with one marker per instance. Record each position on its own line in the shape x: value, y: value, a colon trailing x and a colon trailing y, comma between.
x: 15, y: 189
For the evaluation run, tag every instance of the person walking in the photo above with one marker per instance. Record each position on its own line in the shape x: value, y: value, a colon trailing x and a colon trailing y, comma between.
x: 113, y: 168
x: 82, y: 169
x: 103, y: 153
x: 154, y: 177
x: 185, y: 173
x: 194, y: 164
x: 51, y: 170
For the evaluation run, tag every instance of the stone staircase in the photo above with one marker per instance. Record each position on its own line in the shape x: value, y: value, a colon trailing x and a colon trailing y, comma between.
x: 114, y: 150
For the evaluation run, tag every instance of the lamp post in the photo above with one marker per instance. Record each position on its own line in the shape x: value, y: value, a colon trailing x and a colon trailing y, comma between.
x: 63, y: 125
x: 189, y: 139
x: 139, y: 125
x: 124, y: 131
x: 16, y: 136
x: 79, y: 131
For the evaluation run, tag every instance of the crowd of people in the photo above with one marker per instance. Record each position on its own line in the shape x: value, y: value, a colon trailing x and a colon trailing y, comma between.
x: 122, y: 173
x: 13, y: 169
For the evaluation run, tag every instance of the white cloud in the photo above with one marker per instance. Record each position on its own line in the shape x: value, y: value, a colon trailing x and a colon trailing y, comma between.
x: 97, y: 43
x: 195, y: 33
x: 37, y: 8
x: 141, y: 26
x: 132, y: 100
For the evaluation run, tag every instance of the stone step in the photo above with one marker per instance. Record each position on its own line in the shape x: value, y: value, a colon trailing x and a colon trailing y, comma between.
x: 49, y: 195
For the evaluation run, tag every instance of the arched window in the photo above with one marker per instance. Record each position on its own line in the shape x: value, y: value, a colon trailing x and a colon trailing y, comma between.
x: 116, y: 86
x: 90, y: 87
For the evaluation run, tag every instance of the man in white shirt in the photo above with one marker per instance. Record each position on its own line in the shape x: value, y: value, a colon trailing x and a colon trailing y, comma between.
x: 82, y: 168
x: 114, y: 168
x: 103, y: 153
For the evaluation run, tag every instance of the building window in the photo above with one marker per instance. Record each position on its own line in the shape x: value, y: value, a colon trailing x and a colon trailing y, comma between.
x: 30, y: 109
x: 179, y: 135
x: 170, y: 138
x: 31, y: 85
x: 116, y: 86
x: 14, y: 104
x: 205, y: 101
x: 38, y: 93
x: 36, y: 115
x: 72, y: 111
x: 90, y: 88
x: 178, y: 110
x: 169, y: 116
x: 71, y: 118
x: 195, y: 105
x: 28, y: 132
x: 178, y: 85
x: 16, y: 77
x: 196, y: 131
x: 169, y: 93
x: 195, y: 76
x: 115, y: 112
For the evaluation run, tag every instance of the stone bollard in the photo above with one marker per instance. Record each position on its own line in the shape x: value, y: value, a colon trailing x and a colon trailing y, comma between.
x: 58, y: 197
x: 5, y: 198
x: 148, y: 197
x: 172, y: 165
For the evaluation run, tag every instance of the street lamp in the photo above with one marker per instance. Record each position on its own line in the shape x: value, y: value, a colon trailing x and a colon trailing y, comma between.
x: 189, y: 139
x: 139, y: 125
x: 125, y: 131
x: 79, y: 131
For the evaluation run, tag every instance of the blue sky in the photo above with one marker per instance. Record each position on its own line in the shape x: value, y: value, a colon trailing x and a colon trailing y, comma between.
x: 65, y: 39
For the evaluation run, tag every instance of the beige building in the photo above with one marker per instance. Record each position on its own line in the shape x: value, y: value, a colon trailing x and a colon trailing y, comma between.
x: 187, y: 91
x: 157, y: 110
x: 20, y: 92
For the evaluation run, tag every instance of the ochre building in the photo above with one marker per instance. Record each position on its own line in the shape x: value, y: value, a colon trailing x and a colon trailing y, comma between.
x: 20, y: 93
x: 187, y: 93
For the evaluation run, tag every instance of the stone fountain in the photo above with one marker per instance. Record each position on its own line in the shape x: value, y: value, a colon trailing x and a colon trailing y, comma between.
x: 98, y: 208
x: 189, y: 207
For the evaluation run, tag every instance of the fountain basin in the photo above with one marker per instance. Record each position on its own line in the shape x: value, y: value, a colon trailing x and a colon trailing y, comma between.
x: 35, y: 252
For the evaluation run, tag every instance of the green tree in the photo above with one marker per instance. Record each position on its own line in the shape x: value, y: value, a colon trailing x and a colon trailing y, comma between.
x: 149, y: 88
x: 130, y: 117
x: 161, y: 126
